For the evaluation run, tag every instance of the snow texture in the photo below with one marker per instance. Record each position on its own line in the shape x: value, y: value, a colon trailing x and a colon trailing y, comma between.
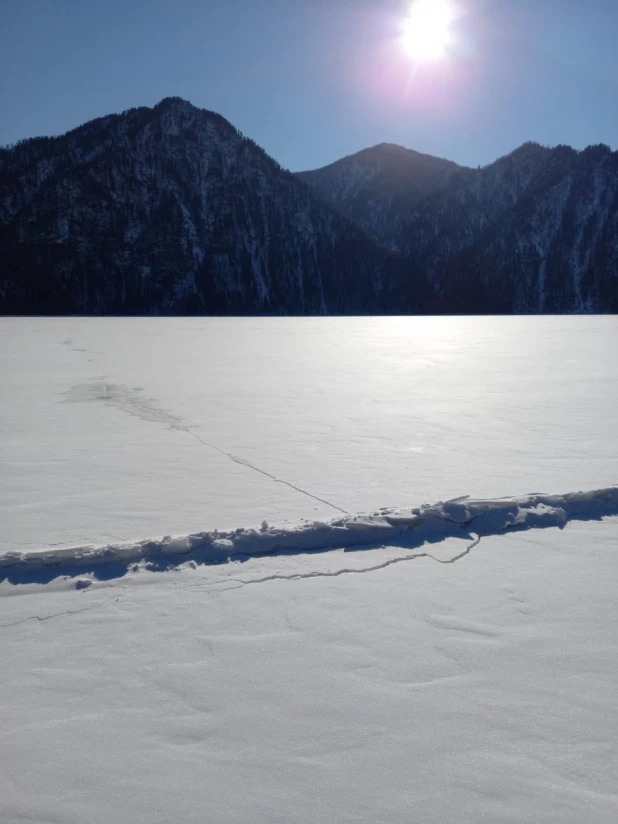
x: 447, y: 662
x: 289, y: 689
x: 116, y: 430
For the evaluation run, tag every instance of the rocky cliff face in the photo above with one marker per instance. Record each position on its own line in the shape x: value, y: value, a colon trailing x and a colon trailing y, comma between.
x: 171, y: 210
x: 536, y: 231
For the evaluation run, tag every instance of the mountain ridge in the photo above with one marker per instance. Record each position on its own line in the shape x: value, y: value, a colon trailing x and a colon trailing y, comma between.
x: 170, y: 209
x: 502, y: 238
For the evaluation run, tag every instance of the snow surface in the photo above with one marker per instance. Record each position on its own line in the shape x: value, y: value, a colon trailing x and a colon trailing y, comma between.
x: 448, y: 661
x: 117, y: 430
x: 288, y: 689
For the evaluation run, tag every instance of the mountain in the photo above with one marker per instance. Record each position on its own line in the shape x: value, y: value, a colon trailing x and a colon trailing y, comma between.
x: 536, y: 231
x: 378, y: 187
x: 171, y: 210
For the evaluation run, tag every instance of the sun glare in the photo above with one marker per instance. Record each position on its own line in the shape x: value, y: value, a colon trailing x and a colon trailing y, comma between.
x: 426, y: 34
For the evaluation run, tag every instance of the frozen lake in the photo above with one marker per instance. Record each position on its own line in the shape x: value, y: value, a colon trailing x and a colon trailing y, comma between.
x: 454, y: 665
x: 120, y: 429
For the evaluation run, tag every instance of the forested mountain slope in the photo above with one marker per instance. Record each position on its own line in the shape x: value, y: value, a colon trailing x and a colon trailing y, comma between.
x: 171, y: 210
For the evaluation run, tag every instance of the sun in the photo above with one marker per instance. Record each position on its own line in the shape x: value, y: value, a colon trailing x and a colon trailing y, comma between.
x: 426, y: 32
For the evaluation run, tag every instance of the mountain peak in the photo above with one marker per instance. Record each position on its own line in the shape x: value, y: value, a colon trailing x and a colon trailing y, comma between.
x: 389, y: 147
x: 391, y: 178
x: 391, y: 153
x: 174, y: 103
x: 397, y: 149
x: 170, y: 209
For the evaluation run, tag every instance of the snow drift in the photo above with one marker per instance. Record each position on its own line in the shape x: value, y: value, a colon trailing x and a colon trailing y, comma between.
x: 408, y: 527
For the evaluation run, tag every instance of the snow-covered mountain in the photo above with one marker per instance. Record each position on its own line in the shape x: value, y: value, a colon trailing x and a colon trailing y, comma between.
x: 378, y: 187
x: 536, y: 231
x: 172, y: 210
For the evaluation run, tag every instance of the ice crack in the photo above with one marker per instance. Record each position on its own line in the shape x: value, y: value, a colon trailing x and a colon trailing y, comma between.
x: 297, y: 576
x: 249, y: 465
x: 129, y: 400
x: 411, y: 529
x: 53, y: 615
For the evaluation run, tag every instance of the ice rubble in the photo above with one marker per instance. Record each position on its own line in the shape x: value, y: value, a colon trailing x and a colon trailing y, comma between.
x: 386, y: 526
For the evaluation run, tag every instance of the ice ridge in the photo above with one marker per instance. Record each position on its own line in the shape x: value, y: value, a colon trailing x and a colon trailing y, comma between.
x: 413, y: 526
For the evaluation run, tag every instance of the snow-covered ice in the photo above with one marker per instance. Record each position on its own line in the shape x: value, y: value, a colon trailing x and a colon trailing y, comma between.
x: 123, y: 429
x: 285, y: 690
x: 407, y: 611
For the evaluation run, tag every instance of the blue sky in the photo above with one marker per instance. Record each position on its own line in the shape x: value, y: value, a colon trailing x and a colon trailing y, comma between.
x: 314, y: 80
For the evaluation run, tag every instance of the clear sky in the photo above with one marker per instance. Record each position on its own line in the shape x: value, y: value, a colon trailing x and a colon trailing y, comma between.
x: 314, y: 80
